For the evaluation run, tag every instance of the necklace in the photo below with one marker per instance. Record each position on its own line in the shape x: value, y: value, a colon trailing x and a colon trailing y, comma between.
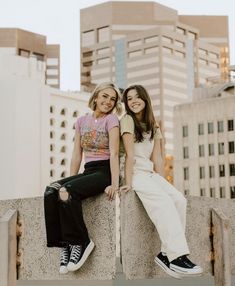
x: 99, y: 117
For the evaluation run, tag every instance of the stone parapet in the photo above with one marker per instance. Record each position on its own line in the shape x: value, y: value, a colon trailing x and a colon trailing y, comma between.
x: 41, y: 263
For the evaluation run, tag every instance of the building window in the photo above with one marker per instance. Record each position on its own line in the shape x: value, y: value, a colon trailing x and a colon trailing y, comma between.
x: 230, y: 125
x: 52, y: 134
x: 221, y: 170
x: 63, y: 111
x: 135, y: 54
x: 211, y: 171
x: 232, y: 169
x: 52, y: 147
x: 185, y: 130
x: 186, y: 192
x: 63, y: 174
x: 231, y: 147
x: 75, y: 114
x: 24, y: 53
x: 103, y: 34
x: 185, y: 152
x: 51, y: 160
x: 180, y: 30
x: 88, y: 38
x: 52, y: 172
x: 52, y: 109
x: 52, y: 121
x: 201, y: 151
x: 222, y: 192
x: 221, y: 148
x: 63, y: 149
x: 200, y: 129
x: 212, y: 192
x: 220, y: 126
x: 210, y: 128
x: 192, y: 35
x: 63, y: 124
x: 63, y: 136
x: 202, y: 192
x: 63, y: 162
x: 202, y: 172
x: 211, y: 149
x: 186, y: 173
x: 232, y: 192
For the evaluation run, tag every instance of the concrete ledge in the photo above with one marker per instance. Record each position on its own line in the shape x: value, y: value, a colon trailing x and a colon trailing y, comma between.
x: 222, y: 265
x: 8, y: 246
x: 140, y: 242
x: 41, y: 263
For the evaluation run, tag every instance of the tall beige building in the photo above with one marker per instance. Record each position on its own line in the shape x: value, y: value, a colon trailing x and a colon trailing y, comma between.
x: 148, y: 43
x: 28, y: 44
x: 204, y: 160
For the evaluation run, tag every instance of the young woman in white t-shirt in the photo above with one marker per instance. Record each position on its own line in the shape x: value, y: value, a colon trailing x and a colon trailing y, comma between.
x: 97, y: 137
x: 165, y: 205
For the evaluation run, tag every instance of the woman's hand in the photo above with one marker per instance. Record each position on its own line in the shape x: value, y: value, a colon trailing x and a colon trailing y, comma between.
x: 110, y: 191
x: 125, y: 188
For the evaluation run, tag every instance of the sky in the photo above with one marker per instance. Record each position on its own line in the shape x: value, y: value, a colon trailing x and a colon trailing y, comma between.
x: 59, y: 21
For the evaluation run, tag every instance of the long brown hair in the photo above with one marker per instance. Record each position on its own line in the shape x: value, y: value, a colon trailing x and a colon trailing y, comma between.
x: 148, y: 117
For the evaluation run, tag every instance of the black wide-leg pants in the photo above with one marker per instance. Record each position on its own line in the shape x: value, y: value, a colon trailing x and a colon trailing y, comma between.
x: 64, y: 219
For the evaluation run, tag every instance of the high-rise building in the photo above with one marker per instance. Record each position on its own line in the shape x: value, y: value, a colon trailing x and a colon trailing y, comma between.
x: 37, y: 127
x: 213, y: 30
x: 204, y: 159
x: 148, y: 43
x: 31, y: 45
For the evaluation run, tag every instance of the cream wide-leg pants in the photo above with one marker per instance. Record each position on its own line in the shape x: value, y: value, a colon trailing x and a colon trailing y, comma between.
x: 166, y: 207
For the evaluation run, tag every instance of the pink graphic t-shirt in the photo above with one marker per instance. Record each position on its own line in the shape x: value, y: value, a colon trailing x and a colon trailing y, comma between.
x: 94, y: 135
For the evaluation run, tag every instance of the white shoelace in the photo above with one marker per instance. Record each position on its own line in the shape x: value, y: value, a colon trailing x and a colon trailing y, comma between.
x: 76, y: 253
x: 64, y: 256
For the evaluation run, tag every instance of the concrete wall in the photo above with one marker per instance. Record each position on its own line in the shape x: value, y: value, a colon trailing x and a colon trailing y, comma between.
x: 139, y: 239
x: 42, y: 263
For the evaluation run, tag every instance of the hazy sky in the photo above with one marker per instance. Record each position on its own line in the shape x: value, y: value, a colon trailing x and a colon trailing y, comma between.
x: 59, y: 21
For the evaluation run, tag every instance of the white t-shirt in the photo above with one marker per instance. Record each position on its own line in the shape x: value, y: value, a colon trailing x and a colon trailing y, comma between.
x: 142, y: 150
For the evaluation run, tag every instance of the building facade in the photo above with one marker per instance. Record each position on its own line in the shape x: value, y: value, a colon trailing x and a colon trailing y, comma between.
x: 147, y: 43
x: 37, y: 127
x: 31, y: 45
x: 204, y: 160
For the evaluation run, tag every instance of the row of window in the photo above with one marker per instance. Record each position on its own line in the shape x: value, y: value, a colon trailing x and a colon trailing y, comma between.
x: 154, y: 49
x: 63, y: 161
x: 63, y: 124
x: 211, y: 149
x: 62, y: 175
x: 63, y: 136
x: 211, y: 171
x: 63, y: 149
x: 212, y: 193
x: 64, y: 111
x: 210, y: 127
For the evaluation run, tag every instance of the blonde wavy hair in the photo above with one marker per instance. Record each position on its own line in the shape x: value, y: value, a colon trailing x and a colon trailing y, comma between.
x: 117, y: 107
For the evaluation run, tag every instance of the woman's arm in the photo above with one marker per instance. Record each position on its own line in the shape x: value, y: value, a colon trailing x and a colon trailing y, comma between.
x: 76, y: 155
x: 114, y: 139
x: 156, y: 157
x: 128, y: 141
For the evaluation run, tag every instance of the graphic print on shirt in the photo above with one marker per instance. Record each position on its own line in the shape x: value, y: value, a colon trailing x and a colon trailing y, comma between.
x: 94, y: 141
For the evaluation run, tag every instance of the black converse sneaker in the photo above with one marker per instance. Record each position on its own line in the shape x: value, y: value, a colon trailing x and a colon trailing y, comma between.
x: 184, y: 266
x: 79, y: 255
x: 164, y: 263
x: 64, y: 259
